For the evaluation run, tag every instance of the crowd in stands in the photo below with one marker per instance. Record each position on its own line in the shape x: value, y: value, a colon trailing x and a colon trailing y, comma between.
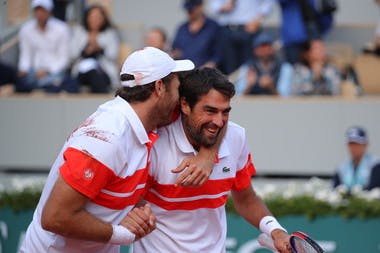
x: 226, y: 34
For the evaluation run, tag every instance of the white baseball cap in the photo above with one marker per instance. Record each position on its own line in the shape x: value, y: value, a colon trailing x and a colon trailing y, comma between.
x: 150, y: 64
x: 46, y: 4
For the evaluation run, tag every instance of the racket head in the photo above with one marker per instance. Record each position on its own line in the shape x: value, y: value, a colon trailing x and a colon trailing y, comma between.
x: 302, y: 243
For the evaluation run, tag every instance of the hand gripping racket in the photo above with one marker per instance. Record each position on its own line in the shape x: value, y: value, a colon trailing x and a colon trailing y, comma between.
x: 299, y: 241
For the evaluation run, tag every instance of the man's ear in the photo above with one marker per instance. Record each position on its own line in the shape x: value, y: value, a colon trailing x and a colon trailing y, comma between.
x: 185, y: 107
x: 159, y: 88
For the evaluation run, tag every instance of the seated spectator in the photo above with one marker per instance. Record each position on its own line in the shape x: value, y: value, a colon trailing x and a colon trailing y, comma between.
x: 156, y: 37
x: 264, y: 73
x: 314, y: 75
x: 198, y: 39
x: 362, y: 168
x: 95, y: 49
x: 44, y: 52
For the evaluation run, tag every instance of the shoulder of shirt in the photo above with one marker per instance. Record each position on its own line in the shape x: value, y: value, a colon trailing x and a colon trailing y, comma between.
x: 59, y: 23
x: 115, y: 122
x: 27, y: 25
x: 212, y: 21
x: 235, y: 126
x: 235, y: 132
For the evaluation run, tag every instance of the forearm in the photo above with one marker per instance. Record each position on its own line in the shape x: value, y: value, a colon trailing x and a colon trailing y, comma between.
x: 65, y: 215
x: 253, y: 209
x: 82, y: 225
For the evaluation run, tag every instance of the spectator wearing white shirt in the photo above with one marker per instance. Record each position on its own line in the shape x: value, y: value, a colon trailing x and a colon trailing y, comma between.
x: 44, y: 51
x: 241, y: 20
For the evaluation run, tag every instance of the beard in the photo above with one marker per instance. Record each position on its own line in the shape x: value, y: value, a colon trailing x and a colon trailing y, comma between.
x: 198, y: 137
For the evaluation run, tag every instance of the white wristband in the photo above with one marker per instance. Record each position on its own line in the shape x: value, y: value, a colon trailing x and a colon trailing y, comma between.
x: 121, y: 235
x: 268, y: 224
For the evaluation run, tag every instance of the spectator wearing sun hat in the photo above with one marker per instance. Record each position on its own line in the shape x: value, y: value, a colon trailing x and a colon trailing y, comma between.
x: 361, y: 169
x: 264, y: 73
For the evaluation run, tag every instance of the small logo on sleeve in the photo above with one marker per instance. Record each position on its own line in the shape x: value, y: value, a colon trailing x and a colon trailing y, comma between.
x: 88, y: 174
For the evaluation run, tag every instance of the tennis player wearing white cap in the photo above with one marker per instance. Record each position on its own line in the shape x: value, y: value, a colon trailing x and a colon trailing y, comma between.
x: 87, y: 204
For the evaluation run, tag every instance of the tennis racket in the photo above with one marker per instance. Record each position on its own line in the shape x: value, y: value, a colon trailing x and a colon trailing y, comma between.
x: 302, y: 243
x: 299, y: 242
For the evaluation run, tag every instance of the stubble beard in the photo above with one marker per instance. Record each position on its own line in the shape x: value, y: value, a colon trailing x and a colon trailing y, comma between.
x: 198, y: 138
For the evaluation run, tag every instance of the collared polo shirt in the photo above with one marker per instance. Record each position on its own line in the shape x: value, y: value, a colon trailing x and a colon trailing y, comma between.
x: 193, y: 219
x: 106, y: 158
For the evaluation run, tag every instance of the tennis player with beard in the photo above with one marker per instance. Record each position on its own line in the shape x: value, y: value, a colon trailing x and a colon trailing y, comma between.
x: 194, y: 219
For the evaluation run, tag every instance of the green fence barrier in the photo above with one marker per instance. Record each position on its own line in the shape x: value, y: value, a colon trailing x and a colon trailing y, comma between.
x: 336, y: 235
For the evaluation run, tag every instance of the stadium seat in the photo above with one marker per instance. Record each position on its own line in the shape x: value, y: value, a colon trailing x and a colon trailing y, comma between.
x: 368, y: 69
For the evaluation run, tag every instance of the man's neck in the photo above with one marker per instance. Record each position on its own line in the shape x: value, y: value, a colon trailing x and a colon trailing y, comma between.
x: 144, y: 111
x: 42, y: 25
x: 196, y: 24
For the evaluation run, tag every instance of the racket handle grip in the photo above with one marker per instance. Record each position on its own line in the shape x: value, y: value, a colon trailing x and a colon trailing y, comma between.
x: 266, y: 241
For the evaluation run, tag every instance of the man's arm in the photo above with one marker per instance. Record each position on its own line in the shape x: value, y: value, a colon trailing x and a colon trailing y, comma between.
x: 374, y: 180
x: 64, y: 214
x: 253, y: 209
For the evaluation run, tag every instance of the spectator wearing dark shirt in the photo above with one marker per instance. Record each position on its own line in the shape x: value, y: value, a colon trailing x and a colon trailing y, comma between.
x: 198, y: 39
x: 264, y: 73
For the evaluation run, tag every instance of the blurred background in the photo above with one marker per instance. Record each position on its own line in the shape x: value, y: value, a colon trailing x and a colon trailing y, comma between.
x: 293, y: 137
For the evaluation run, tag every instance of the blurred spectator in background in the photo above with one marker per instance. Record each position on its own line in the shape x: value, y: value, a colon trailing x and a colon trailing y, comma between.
x: 198, y: 39
x: 314, y: 75
x: 95, y: 49
x: 44, y: 52
x: 374, y: 46
x: 156, y: 37
x: 8, y: 77
x: 264, y: 73
x: 362, y: 169
x: 302, y: 21
x: 241, y: 20
x: 60, y: 8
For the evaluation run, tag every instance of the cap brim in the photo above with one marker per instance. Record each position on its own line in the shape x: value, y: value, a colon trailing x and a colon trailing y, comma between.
x: 357, y: 140
x: 183, y: 65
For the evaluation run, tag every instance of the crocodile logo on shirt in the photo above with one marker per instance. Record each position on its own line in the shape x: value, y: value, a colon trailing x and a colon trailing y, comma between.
x: 226, y: 169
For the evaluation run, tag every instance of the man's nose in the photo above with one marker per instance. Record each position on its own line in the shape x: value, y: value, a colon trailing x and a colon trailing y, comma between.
x: 219, y: 120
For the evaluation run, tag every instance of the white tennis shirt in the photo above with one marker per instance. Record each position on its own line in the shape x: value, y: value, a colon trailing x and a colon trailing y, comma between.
x: 193, y: 219
x: 44, y: 50
x: 106, y: 159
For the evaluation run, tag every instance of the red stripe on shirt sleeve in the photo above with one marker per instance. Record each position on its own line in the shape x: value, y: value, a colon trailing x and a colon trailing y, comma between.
x: 243, y: 176
x: 84, y: 173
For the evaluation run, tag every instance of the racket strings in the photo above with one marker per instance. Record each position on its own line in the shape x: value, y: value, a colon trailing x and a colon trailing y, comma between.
x: 302, y: 246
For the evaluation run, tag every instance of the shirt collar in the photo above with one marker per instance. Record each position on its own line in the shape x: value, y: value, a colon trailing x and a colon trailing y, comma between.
x: 134, y: 121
